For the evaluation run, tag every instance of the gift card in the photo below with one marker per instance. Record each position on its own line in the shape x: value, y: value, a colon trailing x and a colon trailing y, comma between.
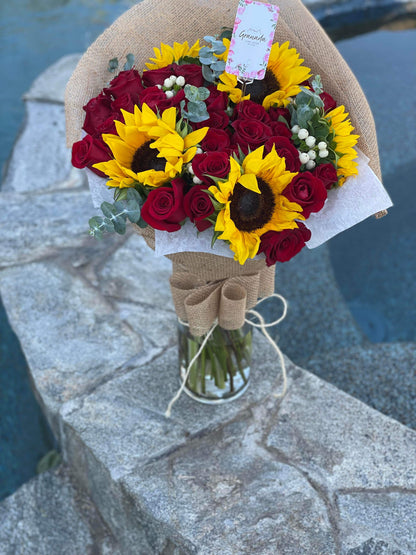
x: 252, y: 39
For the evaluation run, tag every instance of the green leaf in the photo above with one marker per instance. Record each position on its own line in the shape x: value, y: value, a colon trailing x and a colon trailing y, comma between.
x: 130, y: 62
x: 51, y: 460
x: 108, y: 209
x: 317, y: 85
x: 226, y: 33
x: 120, y: 225
x: 113, y: 65
x: 218, y: 66
x: 215, y: 237
x: 304, y: 114
x: 108, y: 225
x: 208, y: 74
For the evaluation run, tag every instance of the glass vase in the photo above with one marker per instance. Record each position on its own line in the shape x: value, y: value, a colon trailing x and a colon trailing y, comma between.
x: 222, y: 370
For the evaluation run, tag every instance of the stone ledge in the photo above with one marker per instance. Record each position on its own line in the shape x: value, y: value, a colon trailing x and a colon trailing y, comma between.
x: 49, y: 515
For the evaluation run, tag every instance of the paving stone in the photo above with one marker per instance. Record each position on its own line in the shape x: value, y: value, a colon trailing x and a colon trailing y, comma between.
x: 33, y: 226
x: 41, y: 159
x: 140, y: 398
x: 340, y: 442
x: 386, y: 522
x: 219, y: 496
x: 135, y: 274
x: 48, y: 515
x: 72, y: 338
x: 50, y: 85
x: 382, y: 376
x: 318, y: 317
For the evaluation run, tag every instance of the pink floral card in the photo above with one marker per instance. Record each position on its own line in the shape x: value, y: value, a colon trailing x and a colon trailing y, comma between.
x: 252, y: 39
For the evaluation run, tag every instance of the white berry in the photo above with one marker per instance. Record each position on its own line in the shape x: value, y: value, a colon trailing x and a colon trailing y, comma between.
x: 295, y: 129
x: 199, y: 150
x: 172, y: 79
x: 312, y: 155
x: 304, y: 157
x: 180, y: 81
x: 196, y: 180
x: 322, y: 145
x: 169, y: 94
x: 303, y: 134
x: 310, y: 164
x: 167, y: 83
x: 310, y: 141
x: 159, y: 86
x: 323, y: 153
x: 190, y: 169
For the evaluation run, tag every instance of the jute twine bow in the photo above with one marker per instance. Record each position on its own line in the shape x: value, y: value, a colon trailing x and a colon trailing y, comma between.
x: 225, y: 301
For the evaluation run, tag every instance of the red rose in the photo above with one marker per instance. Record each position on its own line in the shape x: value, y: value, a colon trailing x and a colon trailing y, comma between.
x: 281, y: 246
x: 191, y: 72
x: 124, y: 102
x: 327, y: 174
x: 126, y: 82
x: 216, y: 140
x: 163, y: 208
x: 308, y: 191
x: 329, y: 102
x: 198, y: 206
x: 108, y: 125
x: 217, y: 120
x: 285, y: 149
x: 214, y: 163
x: 250, y: 133
x: 89, y: 151
x: 156, y: 99
x: 97, y: 110
x: 218, y: 100
x: 275, y: 113
x: 280, y: 129
x: 251, y: 110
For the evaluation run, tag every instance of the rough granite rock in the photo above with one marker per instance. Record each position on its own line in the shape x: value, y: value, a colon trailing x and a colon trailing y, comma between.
x: 63, y: 324
x: 48, y: 515
x: 41, y: 160
x: 378, y: 517
x: 25, y: 235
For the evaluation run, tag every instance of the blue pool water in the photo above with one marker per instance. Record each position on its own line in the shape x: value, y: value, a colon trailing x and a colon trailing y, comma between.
x: 33, y: 35
x: 380, y: 290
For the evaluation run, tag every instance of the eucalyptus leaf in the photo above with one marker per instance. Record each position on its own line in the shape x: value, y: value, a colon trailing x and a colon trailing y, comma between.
x: 130, y: 62
x: 226, y: 33
x: 108, y: 209
x: 108, y: 225
x: 317, y: 85
x: 191, y: 93
x: 208, y: 74
x: 304, y: 114
x: 120, y: 225
x: 218, y: 66
x: 112, y: 65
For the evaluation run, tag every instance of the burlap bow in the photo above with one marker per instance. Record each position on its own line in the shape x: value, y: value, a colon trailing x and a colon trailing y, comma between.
x: 226, y: 300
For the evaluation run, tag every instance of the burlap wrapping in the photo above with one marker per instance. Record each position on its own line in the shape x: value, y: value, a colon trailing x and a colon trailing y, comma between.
x: 148, y: 24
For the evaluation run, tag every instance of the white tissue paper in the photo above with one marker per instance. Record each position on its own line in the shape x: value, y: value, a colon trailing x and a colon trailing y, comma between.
x: 346, y: 206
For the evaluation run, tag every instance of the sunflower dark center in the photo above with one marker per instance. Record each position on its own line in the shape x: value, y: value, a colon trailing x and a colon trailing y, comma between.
x: 250, y: 210
x: 260, y: 89
x: 145, y: 158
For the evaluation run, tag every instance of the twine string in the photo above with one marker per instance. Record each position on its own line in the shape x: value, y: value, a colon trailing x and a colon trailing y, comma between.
x: 262, y: 326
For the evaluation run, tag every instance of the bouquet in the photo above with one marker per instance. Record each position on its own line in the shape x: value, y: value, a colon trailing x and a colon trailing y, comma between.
x: 237, y: 169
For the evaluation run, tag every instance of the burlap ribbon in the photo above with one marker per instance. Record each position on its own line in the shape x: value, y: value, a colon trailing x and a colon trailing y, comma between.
x: 226, y: 300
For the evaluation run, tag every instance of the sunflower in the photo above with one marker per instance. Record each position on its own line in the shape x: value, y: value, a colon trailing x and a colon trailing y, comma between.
x: 252, y: 203
x: 167, y: 55
x: 228, y: 84
x: 345, y: 142
x: 141, y: 153
x: 284, y: 74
